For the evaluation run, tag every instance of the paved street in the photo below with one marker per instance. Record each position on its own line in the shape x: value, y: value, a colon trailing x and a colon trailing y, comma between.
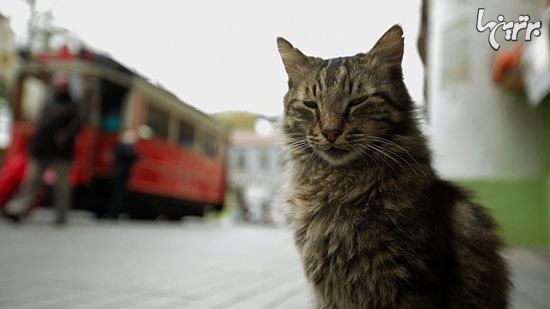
x: 192, y: 264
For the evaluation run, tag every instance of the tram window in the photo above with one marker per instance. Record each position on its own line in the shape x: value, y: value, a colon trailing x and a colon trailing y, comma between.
x: 111, y: 106
x: 157, y: 120
x: 111, y: 120
x: 186, y: 134
x: 210, y: 145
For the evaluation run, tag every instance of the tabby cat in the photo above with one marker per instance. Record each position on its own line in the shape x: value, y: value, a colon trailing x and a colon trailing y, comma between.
x: 374, y: 225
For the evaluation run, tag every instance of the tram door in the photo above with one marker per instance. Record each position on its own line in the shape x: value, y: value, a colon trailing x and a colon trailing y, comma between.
x: 107, y: 124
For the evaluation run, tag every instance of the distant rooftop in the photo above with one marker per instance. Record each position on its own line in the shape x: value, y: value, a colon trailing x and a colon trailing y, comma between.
x: 251, y: 138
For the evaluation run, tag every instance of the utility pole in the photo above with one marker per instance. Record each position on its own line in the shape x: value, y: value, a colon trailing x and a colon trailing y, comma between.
x: 31, y: 23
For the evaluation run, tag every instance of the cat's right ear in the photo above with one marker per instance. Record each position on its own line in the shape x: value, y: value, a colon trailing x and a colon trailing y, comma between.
x: 390, y: 46
x: 295, y: 62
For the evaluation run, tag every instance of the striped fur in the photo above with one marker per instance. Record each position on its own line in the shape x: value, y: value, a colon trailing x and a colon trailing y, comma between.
x: 374, y: 225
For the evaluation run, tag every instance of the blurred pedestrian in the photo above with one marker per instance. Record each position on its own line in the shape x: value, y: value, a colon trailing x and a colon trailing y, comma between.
x: 125, y: 156
x: 51, y: 146
x: 241, y: 201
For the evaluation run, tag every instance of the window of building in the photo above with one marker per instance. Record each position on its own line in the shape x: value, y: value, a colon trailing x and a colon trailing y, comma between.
x: 157, y: 120
x: 264, y: 159
x: 186, y: 134
x: 241, y: 159
x: 210, y: 144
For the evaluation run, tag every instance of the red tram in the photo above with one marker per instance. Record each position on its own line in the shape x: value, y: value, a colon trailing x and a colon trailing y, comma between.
x: 181, y: 167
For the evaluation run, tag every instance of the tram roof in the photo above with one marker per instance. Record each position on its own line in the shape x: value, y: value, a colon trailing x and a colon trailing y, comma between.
x: 107, y: 68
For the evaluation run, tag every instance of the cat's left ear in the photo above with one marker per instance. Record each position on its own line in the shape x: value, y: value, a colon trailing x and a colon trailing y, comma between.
x: 390, y: 46
x: 295, y: 62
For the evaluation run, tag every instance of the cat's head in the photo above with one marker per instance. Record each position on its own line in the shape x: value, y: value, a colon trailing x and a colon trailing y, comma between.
x: 343, y: 109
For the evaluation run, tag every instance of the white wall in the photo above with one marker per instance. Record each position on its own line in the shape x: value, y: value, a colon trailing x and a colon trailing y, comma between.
x: 269, y: 176
x: 478, y: 130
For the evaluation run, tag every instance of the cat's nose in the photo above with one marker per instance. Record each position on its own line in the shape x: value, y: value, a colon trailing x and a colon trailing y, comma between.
x: 331, y: 134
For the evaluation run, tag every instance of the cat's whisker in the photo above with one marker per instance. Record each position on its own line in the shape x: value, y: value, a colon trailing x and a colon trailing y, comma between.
x: 375, y: 151
x: 299, y: 142
x: 398, y: 156
x: 297, y: 149
x: 362, y: 153
x: 296, y: 140
x: 309, y: 159
x: 298, y: 145
x: 381, y: 150
x: 407, y: 138
x: 387, y: 141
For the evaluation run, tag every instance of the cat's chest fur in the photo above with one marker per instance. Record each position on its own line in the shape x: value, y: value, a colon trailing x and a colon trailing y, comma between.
x: 354, y: 253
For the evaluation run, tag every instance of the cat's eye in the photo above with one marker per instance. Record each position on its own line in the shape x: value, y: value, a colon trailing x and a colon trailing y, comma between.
x: 357, y: 101
x: 311, y: 104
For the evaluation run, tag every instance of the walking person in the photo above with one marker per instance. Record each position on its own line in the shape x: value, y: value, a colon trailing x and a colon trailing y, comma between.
x: 125, y: 156
x: 51, y: 146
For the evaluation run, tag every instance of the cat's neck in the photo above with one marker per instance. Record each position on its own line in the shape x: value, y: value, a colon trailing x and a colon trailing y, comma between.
x: 321, y: 173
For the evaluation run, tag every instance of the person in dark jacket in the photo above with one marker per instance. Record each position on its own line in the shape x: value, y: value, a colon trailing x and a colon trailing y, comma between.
x: 51, y: 146
x: 125, y: 156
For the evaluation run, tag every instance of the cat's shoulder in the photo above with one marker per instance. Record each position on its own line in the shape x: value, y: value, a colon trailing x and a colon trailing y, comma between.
x: 469, y: 220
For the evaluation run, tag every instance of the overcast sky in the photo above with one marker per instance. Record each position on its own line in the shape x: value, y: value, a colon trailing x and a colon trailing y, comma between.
x: 221, y: 55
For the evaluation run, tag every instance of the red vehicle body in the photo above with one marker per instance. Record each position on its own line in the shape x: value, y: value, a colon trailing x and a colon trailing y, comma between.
x: 181, y: 166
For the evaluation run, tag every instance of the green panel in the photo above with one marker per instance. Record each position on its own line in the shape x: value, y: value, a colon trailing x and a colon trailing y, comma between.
x: 519, y: 206
x: 548, y: 206
x: 545, y: 107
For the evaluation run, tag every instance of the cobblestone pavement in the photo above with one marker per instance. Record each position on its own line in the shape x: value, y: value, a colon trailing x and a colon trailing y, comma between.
x: 193, y: 264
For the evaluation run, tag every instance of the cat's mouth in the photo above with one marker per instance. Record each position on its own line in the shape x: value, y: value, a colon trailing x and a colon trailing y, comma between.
x: 336, y: 152
x: 336, y: 155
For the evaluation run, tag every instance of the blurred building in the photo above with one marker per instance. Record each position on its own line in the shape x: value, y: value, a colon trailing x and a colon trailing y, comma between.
x: 8, y: 54
x: 485, y: 132
x: 254, y: 172
x: 8, y: 70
